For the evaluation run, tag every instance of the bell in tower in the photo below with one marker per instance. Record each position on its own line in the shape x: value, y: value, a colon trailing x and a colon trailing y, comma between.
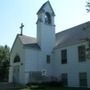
x: 47, y: 18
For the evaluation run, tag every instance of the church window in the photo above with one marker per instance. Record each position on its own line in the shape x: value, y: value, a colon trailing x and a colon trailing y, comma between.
x: 16, y: 59
x: 83, y: 79
x: 64, y: 78
x: 47, y: 18
x: 81, y: 53
x: 64, y: 56
x: 48, y: 59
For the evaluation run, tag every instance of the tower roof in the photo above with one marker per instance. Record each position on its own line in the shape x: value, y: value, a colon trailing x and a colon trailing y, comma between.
x: 44, y: 6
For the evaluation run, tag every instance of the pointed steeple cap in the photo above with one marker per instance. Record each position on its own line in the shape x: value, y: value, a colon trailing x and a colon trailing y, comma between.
x: 42, y: 8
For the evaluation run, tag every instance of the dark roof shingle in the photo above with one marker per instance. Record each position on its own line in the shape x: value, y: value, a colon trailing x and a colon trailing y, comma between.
x: 73, y: 35
x: 28, y: 41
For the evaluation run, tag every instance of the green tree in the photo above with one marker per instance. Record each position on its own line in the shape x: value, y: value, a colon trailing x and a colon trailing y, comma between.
x: 4, y: 62
x: 88, y: 6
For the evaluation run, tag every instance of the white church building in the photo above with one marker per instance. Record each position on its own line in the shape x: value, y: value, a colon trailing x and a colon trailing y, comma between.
x: 63, y: 56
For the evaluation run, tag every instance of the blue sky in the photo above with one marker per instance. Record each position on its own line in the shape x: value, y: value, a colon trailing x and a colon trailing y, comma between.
x: 69, y: 13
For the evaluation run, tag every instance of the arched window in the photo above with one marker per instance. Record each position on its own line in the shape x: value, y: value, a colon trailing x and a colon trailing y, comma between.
x: 16, y: 59
x: 47, y: 18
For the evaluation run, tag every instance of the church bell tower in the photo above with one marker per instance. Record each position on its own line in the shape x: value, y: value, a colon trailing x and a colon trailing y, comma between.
x: 46, y: 27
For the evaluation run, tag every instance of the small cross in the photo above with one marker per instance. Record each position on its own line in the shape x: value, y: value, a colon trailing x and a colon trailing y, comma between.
x: 21, y: 27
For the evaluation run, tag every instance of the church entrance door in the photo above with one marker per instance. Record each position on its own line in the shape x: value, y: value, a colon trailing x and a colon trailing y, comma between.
x: 16, y: 74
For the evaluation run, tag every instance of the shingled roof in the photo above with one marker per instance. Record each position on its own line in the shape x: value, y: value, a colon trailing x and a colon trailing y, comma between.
x: 73, y: 35
x: 67, y: 37
x: 28, y: 41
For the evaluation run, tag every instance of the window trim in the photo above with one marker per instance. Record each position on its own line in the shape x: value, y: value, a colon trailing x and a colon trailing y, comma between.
x: 64, y: 57
x: 65, y: 78
x: 81, y: 58
x: 16, y: 59
x: 81, y: 79
x: 48, y: 59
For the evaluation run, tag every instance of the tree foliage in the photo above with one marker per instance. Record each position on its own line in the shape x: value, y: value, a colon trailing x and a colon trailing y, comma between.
x: 88, y: 6
x: 4, y: 62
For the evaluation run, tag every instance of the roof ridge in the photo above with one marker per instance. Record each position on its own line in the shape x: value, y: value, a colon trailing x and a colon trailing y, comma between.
x: 28, y: 36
